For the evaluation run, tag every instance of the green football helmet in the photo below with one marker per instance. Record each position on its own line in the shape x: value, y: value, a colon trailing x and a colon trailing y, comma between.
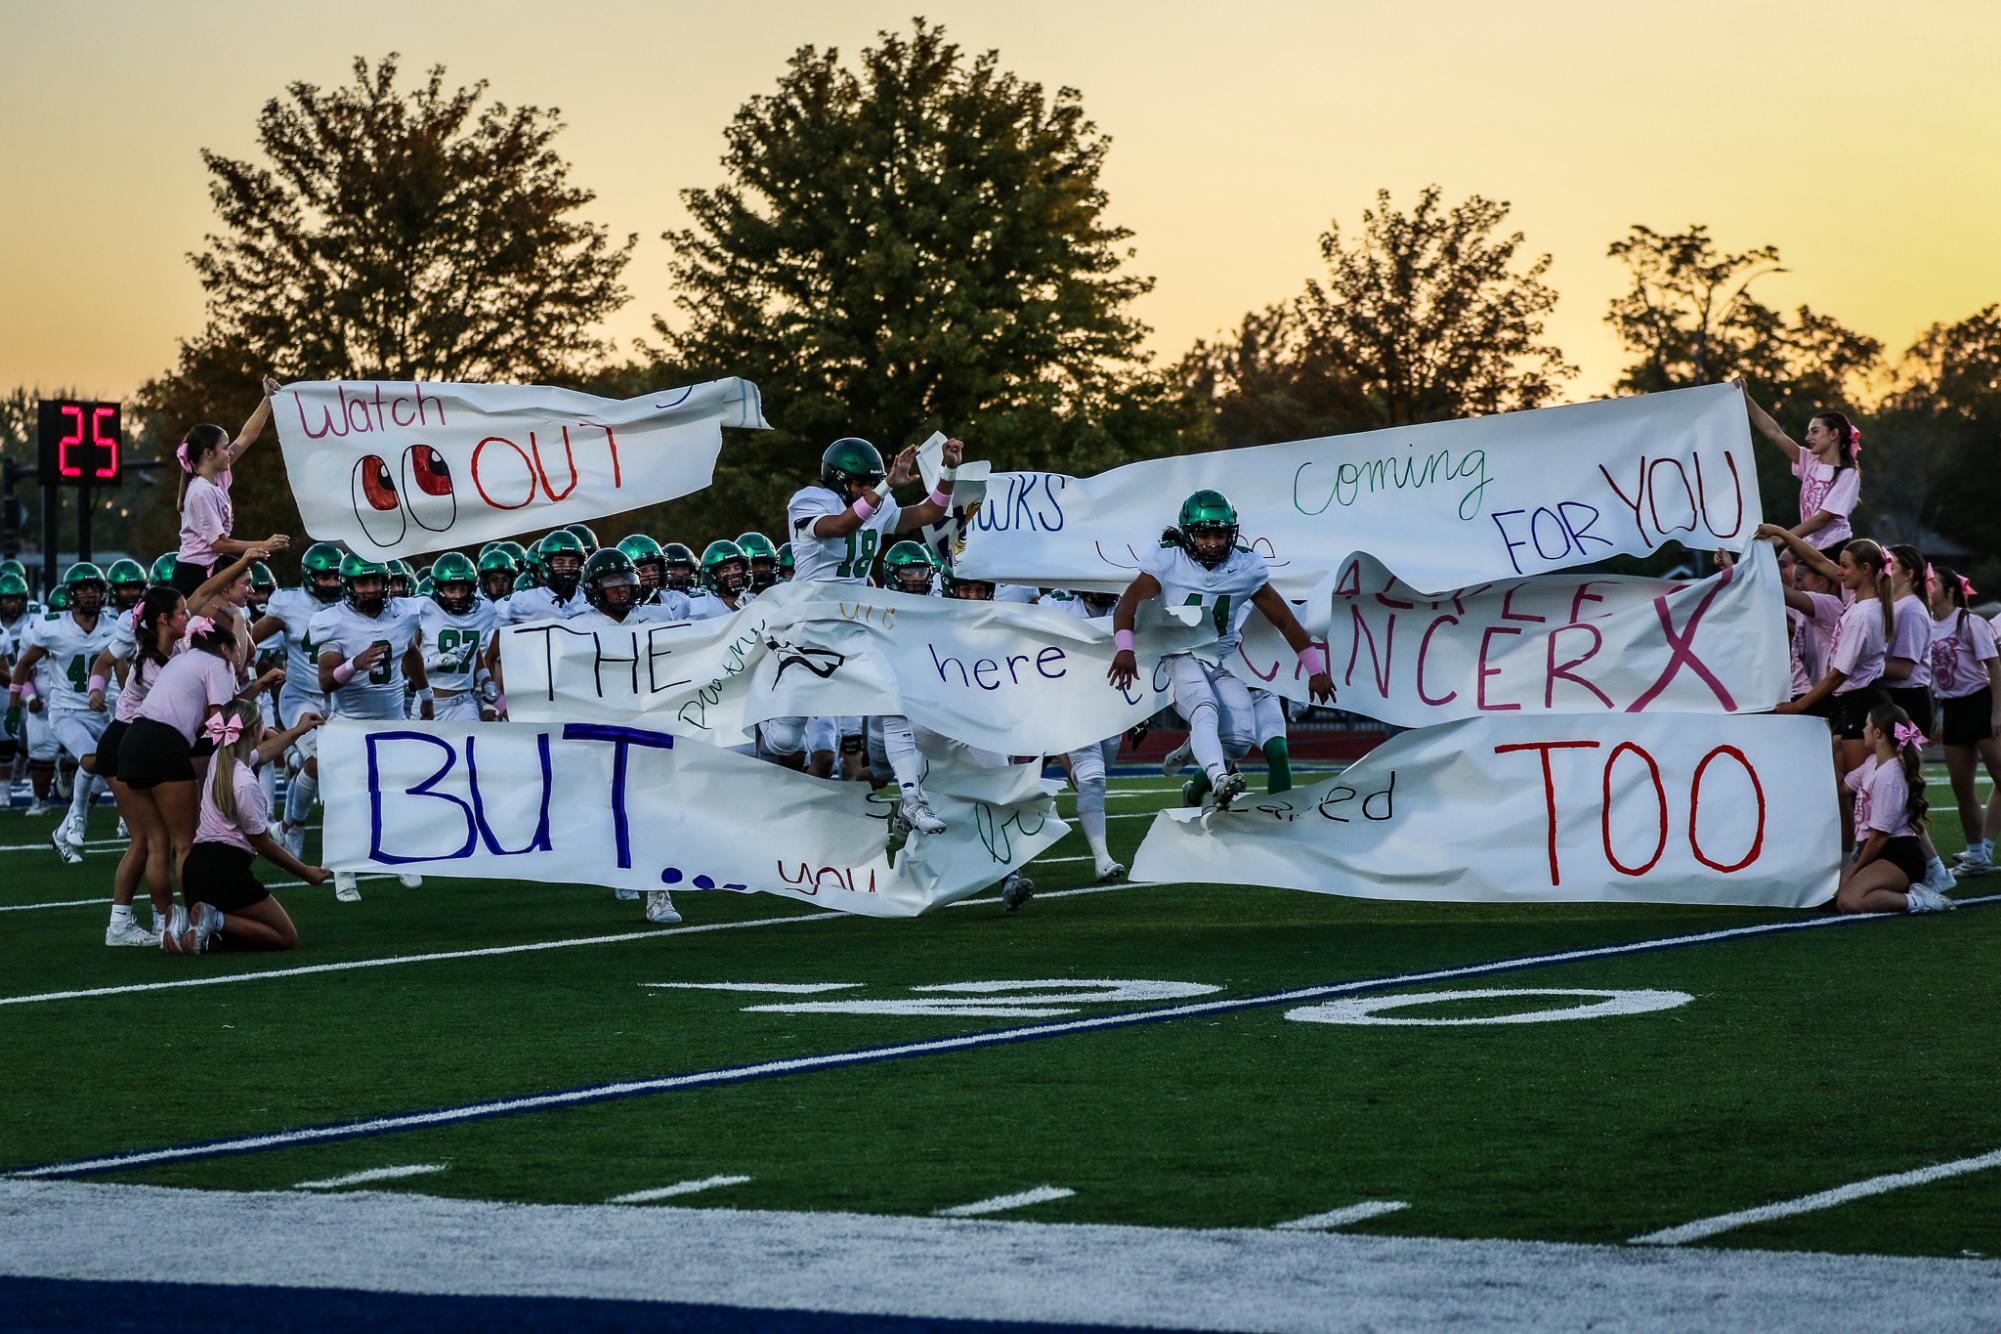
x: 128, y: 582
x: 784, y: 561
x: 454, y: 583
x: 319, y: 572
x: 261, y: 578
x: 496, y: 573
x: 651, y: 562
x: 562, y: 555
x: 162, y: 570
x: 12, y: 566
x: 763, y: 559
x: 356, y: 569
x: 86, y: 586
x: 908, y: 568
x: 1207, y: 514
x: 969, y: 590
x: 529, y: 576
x: 680, y: 566
x: 848, y: 461
x: 426, y: 586
x: 13, y: 590
x: 582, y: 532
x: 512, y: 548
x: 725, y: 569
x: 58, y: 599
x: 611, y: 582
x: 402, y: 579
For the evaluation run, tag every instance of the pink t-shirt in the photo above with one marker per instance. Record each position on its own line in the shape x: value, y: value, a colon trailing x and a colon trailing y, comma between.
x: 1960, y: 654
x: 1858, y: 646
x: 1882, y: 798
x: 1826, y: 487
x: 1911, y: 637
x: 253, y: 812
x: 181, y: 694
x: 1800, y: 640
x: 206, y: 516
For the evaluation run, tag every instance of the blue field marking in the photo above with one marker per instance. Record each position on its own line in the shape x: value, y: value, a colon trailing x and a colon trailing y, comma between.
x: 63, y: 1303
x: 741, y: 1074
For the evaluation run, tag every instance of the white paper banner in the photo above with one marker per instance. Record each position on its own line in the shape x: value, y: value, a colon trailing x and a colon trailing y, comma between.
x: 1445, y: 505
x: 1629, y: 808
x: 629, y: 807
x: 1020, y: 680
x: 1556, y: 643
x: 395, y: 469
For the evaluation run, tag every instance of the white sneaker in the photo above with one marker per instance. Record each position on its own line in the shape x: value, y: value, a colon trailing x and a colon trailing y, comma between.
x: 345, y: 890
x: 625, y: 895
x: 1940, y: 881
x: 1016, y: 890
x: 1110, y: 872
x: 293, y: 836
x: 917, y: 813
x: 177, y: 938
x: 1229, y: 789
x: 1982, y: 851
x: 1922, y: 899
x: 410, y: 881
x: 123, y: 832
x: 63, y: 847
x: 72, y: 830
x: 36, y: 809
x: 129, y: 932
x: 660, y: 908
x: 208, y: 925
x: 1176, y: 760
x: 62, y: 784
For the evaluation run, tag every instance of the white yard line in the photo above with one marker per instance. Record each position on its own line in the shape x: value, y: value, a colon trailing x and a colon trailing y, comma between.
x: 1333, y: 1218
x: 1826, y: 1199
x: 779, y: 988
x: 1002, y: 1203
x: 58, y: 903
x: 373, y: 1174
x: 984, y: 1269
x: 142, y: 899
x: 678, y: 1188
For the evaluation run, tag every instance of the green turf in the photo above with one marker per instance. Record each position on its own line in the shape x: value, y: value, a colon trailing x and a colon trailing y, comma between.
x: 1808, y: 1059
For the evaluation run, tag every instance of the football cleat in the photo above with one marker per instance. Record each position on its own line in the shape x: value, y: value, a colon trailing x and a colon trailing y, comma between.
x: 345, y: 890
x: 1229, y: 789
x: 129, y: 932
x: 625, y: 895
x: 72, y: 830
x: 660, y: 908
x: 61, y: 844
x: 1110, y: 872
x: 409, y: 881
x: 1016, y: 890
x: 1176, y: 760
x: 123, y: 832
x: 36, y: 807
x: 917, y: 813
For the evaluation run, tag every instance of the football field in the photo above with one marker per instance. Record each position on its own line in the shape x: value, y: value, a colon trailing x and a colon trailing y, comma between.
x: 1672, y: 1107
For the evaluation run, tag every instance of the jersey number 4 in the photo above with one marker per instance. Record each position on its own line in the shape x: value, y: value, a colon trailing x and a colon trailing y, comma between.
x: 1221, y: 614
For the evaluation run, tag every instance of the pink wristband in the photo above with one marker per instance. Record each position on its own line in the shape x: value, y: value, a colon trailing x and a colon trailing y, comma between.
x: 942, y: 499
x: 96, y: 683
x: 500, y: 704
x: 1312, y: 661
x: 863, y: 509
x: 27, y: 691
x: 343, y: 673
x: 14, y: 691
x: 1124, y: 639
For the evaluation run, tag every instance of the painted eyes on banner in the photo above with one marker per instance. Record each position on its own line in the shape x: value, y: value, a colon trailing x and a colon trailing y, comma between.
x: 427, y: 489
x: 426, y: 494
x: 375, y: 503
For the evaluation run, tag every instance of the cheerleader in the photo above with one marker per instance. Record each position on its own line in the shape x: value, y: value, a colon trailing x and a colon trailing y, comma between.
x: 1826, y: 464
x: 207, y: 455
x: 1966, y: 676
x: 1889, y: 788
x: 227, y: 902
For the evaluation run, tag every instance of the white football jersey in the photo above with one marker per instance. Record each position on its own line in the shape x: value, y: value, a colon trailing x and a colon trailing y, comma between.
x: 296, y: 608
x: 704, y: 605
x: 1021, y: 593
x: 1224, y: 593
x: 539, y: 604
x: 378, y: 692
x: 460, y: 637
x: 71, y: 649
x: 841, y: 560
x: 590, y: 618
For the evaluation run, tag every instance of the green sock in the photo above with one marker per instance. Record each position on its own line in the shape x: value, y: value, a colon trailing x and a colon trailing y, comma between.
x: 1278, y: 777
x: 1195, y: 789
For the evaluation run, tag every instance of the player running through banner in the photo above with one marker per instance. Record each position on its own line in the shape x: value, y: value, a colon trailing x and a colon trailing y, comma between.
x: 1199, y: 564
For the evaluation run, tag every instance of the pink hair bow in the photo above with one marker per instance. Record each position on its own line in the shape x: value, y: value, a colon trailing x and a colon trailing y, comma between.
x: 199, y: 625
x: 1855, y: 438
x: 1966, y: 588
x: 182, y: 454
x: 223, y: 729
x: 1908, y: 736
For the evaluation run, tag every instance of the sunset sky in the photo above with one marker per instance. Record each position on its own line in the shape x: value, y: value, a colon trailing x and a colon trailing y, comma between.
x: 1862, y: 139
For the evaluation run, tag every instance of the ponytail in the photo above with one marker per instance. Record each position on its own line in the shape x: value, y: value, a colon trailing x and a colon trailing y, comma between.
x: 1848, y: 434
x: 193, y: 447
x: 160, y: 603
x: 1958, y: 591
x: 1894, y: 723
x: 222, y: 769
x: 1870, y: 557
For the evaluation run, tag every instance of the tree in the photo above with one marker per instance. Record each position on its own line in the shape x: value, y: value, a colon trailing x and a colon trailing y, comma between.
x: 911, y: 243
x: 388, y: 235
x: 1940, y: 433
x: 1689, y: 318
x: 1424, y: 316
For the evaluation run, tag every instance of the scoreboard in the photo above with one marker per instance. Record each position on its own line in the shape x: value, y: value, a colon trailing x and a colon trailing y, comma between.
x: 81, y: 444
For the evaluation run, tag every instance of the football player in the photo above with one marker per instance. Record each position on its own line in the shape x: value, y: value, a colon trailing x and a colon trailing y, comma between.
x: 725, y: 581
x: 835, y: 527
x: 13, y: 620
x: 651, y: 562
x: 587, y: 539
x: 909, y: 568
x: 128, y: 584
x: 71, y: 641
x: 1199, y: 564
x: 456, y: 638
x: 497, y: 569
x: 288, y: 619
x: 365, y: 644
x: 763, y: 559
x: 785, y: 562
x: 679, y: 568
x: 551, y: 594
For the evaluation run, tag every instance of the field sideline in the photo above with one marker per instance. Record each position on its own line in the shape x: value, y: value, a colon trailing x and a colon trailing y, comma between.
x: 1131, y: 1067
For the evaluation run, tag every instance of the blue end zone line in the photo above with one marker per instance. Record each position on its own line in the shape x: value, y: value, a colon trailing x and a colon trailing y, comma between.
x: 740, y: 1074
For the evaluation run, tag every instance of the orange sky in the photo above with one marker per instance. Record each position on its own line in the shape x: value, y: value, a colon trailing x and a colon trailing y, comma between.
x: 1864, y: 140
